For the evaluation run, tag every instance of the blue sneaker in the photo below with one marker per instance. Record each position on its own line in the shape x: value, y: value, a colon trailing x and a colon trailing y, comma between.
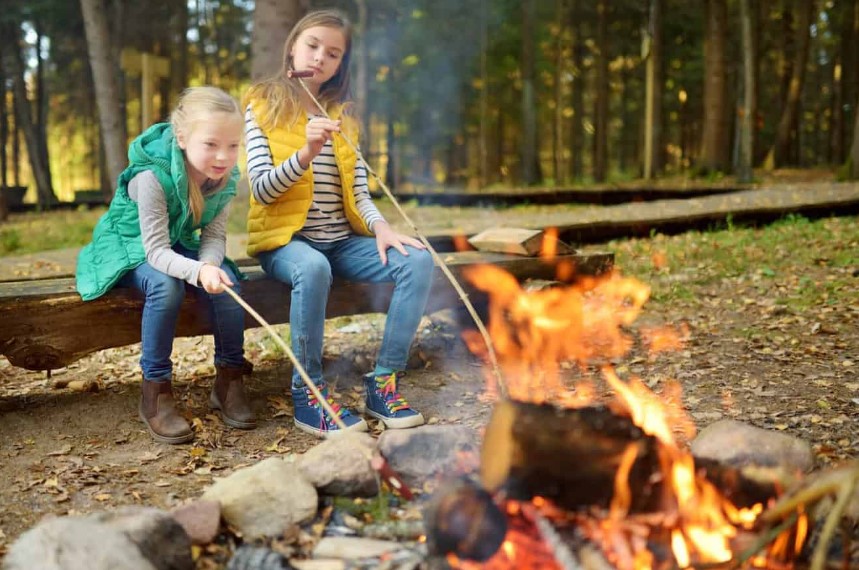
x: 383, y: 402
x: 312, y: 418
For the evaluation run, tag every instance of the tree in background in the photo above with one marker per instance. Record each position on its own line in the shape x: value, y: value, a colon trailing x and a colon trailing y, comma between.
x: 105, y: 70
x: 272, y: 22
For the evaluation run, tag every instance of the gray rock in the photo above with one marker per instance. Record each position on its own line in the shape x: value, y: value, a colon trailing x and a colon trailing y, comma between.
x: 265, y: 499
x: 341, y: 466
x: 738, y: 444
x: 131, y: 538
x: 200, y: 519
x: 423, y: 453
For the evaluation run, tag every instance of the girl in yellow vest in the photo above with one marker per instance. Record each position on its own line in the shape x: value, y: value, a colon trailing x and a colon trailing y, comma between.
x: 311, y: 217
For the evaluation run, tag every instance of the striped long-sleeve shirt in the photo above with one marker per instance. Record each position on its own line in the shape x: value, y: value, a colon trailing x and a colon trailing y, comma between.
x: 326, y: 220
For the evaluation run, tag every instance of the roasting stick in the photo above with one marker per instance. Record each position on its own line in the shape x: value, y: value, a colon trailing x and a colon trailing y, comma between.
x: 301, y: 371
x: 378, y: 462
x: 493, y: 359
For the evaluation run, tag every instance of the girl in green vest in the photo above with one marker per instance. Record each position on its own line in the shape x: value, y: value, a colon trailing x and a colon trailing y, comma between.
x: 311, y: 217
x: 165, y: 231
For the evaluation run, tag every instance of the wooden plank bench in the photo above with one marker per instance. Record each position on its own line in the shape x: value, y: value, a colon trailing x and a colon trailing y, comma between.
x: 44, y: 324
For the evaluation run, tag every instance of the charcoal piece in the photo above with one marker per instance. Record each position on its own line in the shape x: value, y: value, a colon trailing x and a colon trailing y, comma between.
x: 258, y: 558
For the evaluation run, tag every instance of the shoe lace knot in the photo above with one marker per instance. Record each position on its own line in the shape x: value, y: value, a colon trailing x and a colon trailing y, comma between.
x: 314, y: 402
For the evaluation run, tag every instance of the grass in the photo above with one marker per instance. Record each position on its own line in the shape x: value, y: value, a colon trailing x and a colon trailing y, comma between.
x: 796, y: 262
x: 35, y: 232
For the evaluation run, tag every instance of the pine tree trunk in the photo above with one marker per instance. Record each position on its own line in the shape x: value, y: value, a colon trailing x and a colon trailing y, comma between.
x: 530, y: 148
x: 24, y: 116
x: 362, y: 73
x: 788, y: 124
x: 653, y: 94
x: 577, y: 134
x: 104, y: 72
x: 558, y: 123
x: 715, y: 143
x: 273, y: 20
x: 744, y: 173
x: 601, y: 95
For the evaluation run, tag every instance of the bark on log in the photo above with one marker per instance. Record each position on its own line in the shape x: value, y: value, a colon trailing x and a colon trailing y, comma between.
x: 44, y: 325
x: 569, y: 456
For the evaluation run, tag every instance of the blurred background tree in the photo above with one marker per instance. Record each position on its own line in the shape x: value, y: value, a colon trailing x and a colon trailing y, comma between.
x: 455, y: 94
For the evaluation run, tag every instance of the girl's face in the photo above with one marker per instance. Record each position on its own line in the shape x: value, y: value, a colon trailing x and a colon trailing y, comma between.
x: 212, y: 146
x: 319, y: 49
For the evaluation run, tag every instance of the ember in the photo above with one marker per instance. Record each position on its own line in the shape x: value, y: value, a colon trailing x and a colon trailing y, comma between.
x: 569, y: 469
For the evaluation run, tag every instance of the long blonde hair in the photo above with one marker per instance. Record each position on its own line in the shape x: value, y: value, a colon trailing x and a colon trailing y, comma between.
x: 282, y: 95
x: 196, y: 105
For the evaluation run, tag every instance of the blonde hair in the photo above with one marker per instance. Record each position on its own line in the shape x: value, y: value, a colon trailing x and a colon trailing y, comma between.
x: 282, y: 95
x: 196, y: 105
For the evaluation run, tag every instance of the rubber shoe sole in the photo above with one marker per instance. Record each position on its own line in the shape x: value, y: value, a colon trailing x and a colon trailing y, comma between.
x: 398, y: 423
x: 165, y: 439
x: 356, y: 427
x: 238, y: 424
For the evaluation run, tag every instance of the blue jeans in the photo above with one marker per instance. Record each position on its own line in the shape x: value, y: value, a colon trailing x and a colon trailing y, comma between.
x: 163, y: 297
x: 308, y: 268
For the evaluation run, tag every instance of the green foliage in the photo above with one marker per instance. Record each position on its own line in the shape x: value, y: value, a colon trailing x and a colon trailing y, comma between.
x: 35, y: 232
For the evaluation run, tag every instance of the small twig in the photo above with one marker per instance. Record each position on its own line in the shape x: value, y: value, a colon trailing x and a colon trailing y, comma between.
x: 493, y: 359
x: 818, y: 559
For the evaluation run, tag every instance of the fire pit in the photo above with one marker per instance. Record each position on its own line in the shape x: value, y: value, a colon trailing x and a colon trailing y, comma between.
x: 577, y: 477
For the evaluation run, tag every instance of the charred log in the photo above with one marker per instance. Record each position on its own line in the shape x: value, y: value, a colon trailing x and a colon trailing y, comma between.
x: 569, y: 456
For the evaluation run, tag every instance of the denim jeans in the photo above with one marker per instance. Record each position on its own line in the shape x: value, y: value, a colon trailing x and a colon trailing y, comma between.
x: 308, y: 268
x: 163, y: 297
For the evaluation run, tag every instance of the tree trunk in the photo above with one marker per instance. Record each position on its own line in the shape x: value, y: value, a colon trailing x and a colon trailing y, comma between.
x: 854, y: 150
x: 577, y: 132
x: 558, y: 122
x: 715, y: 143
x: 179, y: 62
x: 362, y: 72
x: 24, y: 116
x: 601, y: 95
x: 844, y: 83
x: 530, y: 149
x: 4, y: 137
x: 273, y: 20
x: 748, y: 25
x: 653, y: 94
x: 788, y: 124
x: 483, y: 135
x: 104, y: 72
x: 42, y: 104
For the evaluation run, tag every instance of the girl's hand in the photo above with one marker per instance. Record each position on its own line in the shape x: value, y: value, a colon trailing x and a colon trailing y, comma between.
x: 386, y: 237
x: 213, y: 279
x: 318, y: 132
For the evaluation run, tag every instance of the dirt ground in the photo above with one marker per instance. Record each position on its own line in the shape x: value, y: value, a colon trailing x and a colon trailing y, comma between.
x: 748, y: 358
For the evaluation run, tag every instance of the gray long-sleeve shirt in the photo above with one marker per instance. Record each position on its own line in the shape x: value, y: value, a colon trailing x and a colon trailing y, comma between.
x: 155, y: 233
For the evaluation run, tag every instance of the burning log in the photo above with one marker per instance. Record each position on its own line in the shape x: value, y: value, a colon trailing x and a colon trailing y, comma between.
x: 464, y: 520
x: 570, y: 456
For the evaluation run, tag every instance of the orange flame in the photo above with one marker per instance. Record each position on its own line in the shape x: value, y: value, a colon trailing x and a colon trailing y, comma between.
x: 539, y: 334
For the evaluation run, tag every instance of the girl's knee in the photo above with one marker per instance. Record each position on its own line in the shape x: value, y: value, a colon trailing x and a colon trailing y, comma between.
x: 420, y: 263
x: 314, y: 272
x: 165, y: 290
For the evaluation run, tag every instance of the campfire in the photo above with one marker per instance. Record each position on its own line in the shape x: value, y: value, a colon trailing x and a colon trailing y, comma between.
x: 583, y: 462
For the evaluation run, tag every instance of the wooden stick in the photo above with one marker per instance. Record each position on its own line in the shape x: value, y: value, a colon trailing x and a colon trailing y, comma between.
x: 493, y: 359
x: 298, y: 367
x: 380, y: 466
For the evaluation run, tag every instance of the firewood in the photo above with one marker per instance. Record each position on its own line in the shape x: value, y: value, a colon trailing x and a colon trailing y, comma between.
x: 463, y: 519
x: 569, y: 456
x: 516, y: 241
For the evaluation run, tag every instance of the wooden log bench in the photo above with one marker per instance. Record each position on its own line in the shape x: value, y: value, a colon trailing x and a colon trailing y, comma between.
x: 44, y: 324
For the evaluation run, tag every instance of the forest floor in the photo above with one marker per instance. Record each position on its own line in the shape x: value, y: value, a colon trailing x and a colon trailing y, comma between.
x: 773, y: 321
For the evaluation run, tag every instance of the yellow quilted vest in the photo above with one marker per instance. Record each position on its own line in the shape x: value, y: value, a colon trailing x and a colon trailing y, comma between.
x: 273, y: 225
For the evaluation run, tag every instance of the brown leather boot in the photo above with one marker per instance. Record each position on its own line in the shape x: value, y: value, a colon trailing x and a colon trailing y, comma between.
x: 158, y: 411
x: 228, y: 396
